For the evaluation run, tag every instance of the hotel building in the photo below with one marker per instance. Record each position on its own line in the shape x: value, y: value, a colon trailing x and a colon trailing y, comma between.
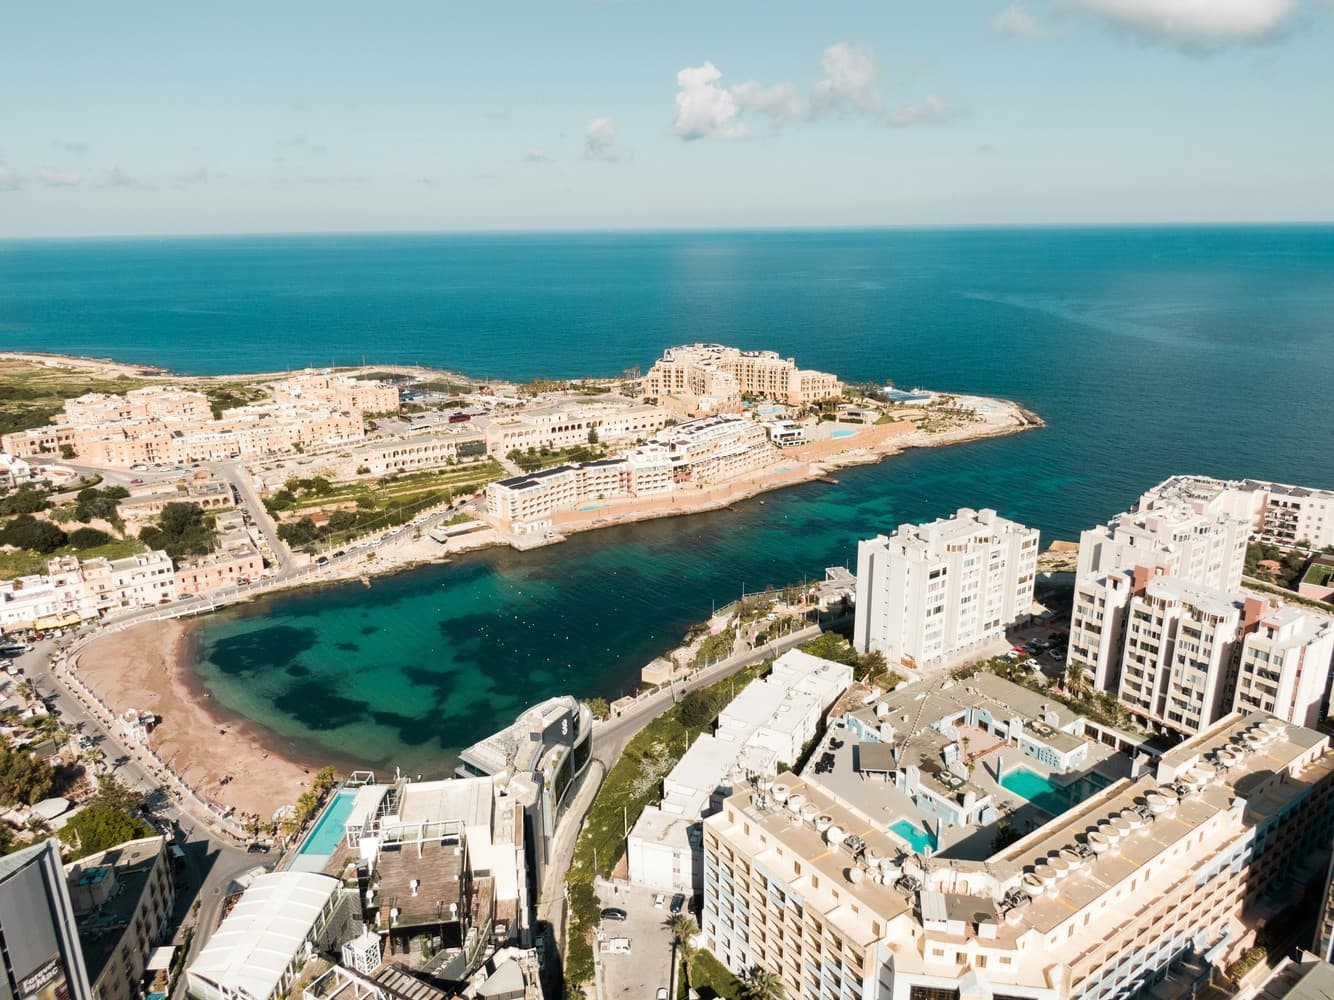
x: 1177, y: 864
x: 1285, y: 664
x: 929, y: 593
x: 713, y: 378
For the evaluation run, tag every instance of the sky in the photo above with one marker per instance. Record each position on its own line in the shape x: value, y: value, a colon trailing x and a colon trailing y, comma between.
x: 154, y: 118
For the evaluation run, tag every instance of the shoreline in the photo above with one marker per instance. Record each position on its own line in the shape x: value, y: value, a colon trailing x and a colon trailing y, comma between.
x: 153, y: 666
x: 150, y: 667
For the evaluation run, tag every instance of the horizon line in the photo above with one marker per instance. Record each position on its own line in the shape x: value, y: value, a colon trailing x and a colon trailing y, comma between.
x: 679, y: 230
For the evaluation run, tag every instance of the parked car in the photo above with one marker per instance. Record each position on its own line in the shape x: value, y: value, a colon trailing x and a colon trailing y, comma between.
x: 257, y: 849
x: 662, y: 993
x: 658, y: 900
x: 618, y: 945
x: 678, y: 901
x: 322, y: 561
x: 339, y: 553
x: 1056, y: 653
x: 613, y: 913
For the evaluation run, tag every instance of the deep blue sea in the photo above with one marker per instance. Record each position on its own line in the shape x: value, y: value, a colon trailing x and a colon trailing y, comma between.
x: 1148, y: 351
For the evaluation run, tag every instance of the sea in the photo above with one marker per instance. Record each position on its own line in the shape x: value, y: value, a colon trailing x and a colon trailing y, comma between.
x: 1148, y: 351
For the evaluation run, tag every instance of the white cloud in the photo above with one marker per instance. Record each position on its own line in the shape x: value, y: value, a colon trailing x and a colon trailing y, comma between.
x: 536, y: 156
x: 1017, y: 22
x: 931, y: 111
x: 600, y: 139
x: 10, y: 180
x: 705, y: 110
x: 52, y: 177
x: 1193, y: 25
x: 849, y: 81
x: 71, y: 146
x: 781, y: 102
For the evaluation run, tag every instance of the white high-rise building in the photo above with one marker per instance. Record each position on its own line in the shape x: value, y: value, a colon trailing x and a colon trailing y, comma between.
x: 930, y: 592
x: 1182, y: 640
x: 1285, y: 666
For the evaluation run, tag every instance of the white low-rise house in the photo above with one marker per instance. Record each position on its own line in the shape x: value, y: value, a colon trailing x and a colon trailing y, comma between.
x: 785, y: 433
x: 283, y: 919
x: 766, y: 725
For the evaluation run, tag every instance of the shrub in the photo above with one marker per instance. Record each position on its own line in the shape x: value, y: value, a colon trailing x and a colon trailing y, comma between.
x: 26, y: 532
x: 88, y: 538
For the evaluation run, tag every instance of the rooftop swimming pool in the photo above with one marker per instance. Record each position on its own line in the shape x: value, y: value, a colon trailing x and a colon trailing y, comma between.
x: 1049, y: 796
x: 328, y: 832
x: 914, y: 835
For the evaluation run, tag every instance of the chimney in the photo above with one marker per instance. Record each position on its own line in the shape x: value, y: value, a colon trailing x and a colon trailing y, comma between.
x: 1251, y: 613
x: 1141, y: 578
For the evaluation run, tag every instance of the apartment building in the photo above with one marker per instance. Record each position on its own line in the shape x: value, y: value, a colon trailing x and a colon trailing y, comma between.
x: 342, y: 392
x: 570, y: 427
x: 1276, y: 512
x: 72, y: 591
x: 1284, y: 666
x: 1178, y: 863
x: 1181, y: 645
x: 698, y: 452
x: 415, y: 453
x: 123, y: 899
x: 713, y: 378
x: 929, y: 593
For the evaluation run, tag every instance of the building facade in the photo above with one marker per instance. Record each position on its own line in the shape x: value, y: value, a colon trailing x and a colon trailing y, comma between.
x: 929, y: 593
x: 714, y: 378
x: 39, y: 939
x: 1100, y: 903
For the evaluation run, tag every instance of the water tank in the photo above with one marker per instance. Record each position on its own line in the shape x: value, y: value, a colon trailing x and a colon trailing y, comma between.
x: 809, y: 812
x: 781, y: 792
x: 834, y: 835
x: 823, y: 823
x: 854, y: 874
x: 795, y: 802
x: 882, y: 710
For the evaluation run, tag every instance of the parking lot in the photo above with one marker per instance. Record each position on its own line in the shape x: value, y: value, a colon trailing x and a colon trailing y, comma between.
x: 647, y: 967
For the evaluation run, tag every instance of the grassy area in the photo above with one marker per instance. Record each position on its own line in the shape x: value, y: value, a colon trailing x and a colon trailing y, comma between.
x: 1319, y: 575
x: 230, y: 395
x: 26, y: 563
x: 31, y: 394
x: 633, y: 783
x: 456, y: 478
x: 546, y: 458
x: 711, y: 979
x: 1290, y: 596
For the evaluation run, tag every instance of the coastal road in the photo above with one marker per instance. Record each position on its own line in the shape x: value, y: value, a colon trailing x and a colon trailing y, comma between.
x: 609, y: 742
x: 210, y: 864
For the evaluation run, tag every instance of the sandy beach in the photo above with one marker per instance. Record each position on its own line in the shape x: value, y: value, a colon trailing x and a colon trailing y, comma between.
x: 150, y: 668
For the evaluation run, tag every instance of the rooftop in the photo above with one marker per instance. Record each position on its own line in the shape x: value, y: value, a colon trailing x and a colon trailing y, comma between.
x: 421, y: 880
x: 102, y: 926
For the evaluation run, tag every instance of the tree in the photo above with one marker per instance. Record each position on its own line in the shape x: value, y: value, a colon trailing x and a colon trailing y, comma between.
x: 24, y: 501
x: 684, y: 931
x: 599, y: 707
x: 88, y: 538
x: 96, y: 827
x: 870, y: 665
x: 183, y: 529
x: 1076, y: 677
x: 67, y: 452
x: 24, y: 779
x: 592, y: 435
x: 326, y: 779
x: 26, y: 532
x: 761, y: 984
x: 698, y: 709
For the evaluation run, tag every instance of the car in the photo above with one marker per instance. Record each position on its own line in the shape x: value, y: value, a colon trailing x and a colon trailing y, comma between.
x: 678, y: 901
x: 613, y: 913
x: 257, y: 849
x: 1056, y: 654
x: 322, y: 560
x: 135, y: 481
x: 658, y: 900
x: 618, y: 946
x: 339, y: 553
x: 662, y: 993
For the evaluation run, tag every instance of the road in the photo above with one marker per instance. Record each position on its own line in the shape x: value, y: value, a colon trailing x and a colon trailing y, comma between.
x: 609, y: 741
x: 241, y: 482
x: 210, y: 863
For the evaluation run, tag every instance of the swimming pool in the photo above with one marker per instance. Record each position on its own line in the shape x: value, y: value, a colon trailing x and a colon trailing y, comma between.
x: 914, y: 835
x: 844, y: 433
x: 592, y: 506
x: 328, y: 832
x: 1049, y: 796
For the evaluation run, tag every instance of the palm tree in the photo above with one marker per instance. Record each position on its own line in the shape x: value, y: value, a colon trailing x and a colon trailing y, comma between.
x: 761, y: 984
x: 684, y: 929
x: 1075, y: 677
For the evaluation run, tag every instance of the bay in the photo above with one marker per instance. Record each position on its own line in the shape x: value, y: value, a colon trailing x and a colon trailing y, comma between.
x: 1149, y: 351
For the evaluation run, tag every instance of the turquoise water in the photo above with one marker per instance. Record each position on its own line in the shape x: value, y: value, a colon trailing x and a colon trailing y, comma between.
x: 914, y: 834
x: 1048, y: 796
x: 328, y: 832
x: 1149, y: 351
x: 842, y: 434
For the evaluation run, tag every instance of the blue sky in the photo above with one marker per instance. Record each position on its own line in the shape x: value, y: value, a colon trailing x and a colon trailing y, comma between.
x: 137, y: 118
